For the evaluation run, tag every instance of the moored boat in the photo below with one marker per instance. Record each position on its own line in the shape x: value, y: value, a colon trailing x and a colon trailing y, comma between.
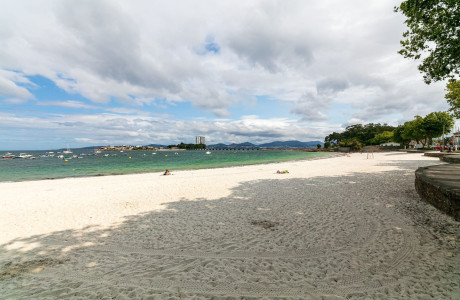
x: 67, y: 151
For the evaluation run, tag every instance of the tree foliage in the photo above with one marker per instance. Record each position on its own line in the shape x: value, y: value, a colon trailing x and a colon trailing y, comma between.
x: 364, y: 134
x: 189, y: 146
x: 334, y: 138
x: 435, y: 123
x: 398, y: 136
x: 453, y: 96
x: 420, y: 129
x: 423, y: 130
x: 353, y: 143
x: 434, y: 33
x: 413, y: 130
x: 384, y: 137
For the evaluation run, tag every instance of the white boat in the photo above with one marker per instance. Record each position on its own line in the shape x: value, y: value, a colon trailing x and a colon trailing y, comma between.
x: 208, y: 152
x: 67, y: 151
x: 8, y: 155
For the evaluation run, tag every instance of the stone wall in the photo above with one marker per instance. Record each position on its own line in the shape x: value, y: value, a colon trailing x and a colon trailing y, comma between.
x: 438, y: 189
x: 344, y: 149
x: 451, y: 158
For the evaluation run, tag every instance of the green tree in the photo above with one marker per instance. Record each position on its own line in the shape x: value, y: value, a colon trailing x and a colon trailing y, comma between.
x: 413, y: 130
x: 434, y: 32
x: 353, y: 143
x: 189, y: 146
x: 363, y: 133
x: 435, y: 123
x: 333, y: 138
x: 383, y: 137
x: 453, y: 97
x: 398, y: 135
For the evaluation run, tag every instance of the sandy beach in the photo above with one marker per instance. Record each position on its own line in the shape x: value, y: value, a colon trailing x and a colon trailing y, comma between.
x: 347, y: 227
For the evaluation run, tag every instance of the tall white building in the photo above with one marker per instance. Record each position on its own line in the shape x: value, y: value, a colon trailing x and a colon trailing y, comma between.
x: 200, y: 140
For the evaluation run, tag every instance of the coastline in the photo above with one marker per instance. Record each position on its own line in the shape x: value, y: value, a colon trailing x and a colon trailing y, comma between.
x: 331, y: 155
x: 345, y: 226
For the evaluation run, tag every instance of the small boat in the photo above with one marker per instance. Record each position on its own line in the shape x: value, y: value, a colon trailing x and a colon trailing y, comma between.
x: 8, y: 155
x: 208, y: 152
x: 24, y: 155
x: 67, y: 151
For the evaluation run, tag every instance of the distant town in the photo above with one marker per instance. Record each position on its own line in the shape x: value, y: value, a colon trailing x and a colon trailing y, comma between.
x: 201, y: 145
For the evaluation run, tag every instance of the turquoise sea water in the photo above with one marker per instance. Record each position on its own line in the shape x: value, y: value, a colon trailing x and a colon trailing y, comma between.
x: 108, y: 163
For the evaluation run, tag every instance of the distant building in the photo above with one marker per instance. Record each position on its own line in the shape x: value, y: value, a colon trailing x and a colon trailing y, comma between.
x: 455, y: 139
x: 390, y: 144
x: 200, y: 140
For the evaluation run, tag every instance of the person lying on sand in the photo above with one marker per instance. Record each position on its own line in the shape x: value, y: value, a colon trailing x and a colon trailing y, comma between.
x: 282, y: 172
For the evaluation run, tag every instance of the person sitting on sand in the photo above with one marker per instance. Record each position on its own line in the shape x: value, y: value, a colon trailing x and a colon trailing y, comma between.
x: 167, y: 172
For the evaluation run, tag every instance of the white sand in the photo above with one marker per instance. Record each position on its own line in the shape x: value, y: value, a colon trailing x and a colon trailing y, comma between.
x: 343, y: 227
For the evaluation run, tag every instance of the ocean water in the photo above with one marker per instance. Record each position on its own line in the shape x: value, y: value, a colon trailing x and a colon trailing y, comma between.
x: 109, y: 163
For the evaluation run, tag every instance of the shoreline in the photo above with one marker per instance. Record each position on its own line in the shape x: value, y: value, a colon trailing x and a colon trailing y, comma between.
x: 332, y: 155
x: 344, y: 227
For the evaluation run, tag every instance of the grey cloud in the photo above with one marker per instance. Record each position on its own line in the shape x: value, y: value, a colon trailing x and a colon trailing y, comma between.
x: 309, y: 107
x: 71, y: 124
x: 108, y: 42
x: 261, y: 45
x: 260, y: 134
x: 331, y: 85
x: 389, y: 104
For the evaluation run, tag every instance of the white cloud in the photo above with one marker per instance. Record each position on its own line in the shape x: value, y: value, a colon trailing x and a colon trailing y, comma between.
x: 112, y: 129
x: 217, y: 55
x: 68, y: 104
x: 9, y: 86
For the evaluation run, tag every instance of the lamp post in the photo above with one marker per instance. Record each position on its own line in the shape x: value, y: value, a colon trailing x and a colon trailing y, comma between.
x: 443, y: 137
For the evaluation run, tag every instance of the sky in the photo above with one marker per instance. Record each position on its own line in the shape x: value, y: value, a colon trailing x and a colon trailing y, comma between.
x: 95, y: 72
